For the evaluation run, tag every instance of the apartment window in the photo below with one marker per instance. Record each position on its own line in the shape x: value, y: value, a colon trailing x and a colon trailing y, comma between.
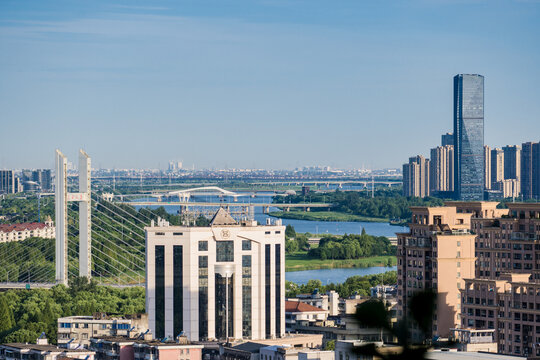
x: 178, y: 293
x: 246, y: 296
x: 160, y: 290
x: 203, y: 297
x: 224, y: 251
x: 278, y: 288
x: 246, y: 244
x: 203, y: 245
x: 267, y: 301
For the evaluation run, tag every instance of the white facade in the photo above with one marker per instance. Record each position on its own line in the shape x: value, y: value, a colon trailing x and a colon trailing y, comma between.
x: 19, y: 232
x: 186, y: 265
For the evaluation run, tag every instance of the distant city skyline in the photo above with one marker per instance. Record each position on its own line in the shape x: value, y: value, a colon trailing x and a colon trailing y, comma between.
x: 262, y: 84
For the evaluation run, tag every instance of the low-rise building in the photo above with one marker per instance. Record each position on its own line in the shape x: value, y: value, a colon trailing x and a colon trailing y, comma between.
x: 251, y: 350
x: 78, y: 330
x: 328, y: 301
x: 475, y: 340
x: 123, y: 348
x: 41, y: 351
x: 19, y: 232
x: 298, y: 313
x: 288, y: 352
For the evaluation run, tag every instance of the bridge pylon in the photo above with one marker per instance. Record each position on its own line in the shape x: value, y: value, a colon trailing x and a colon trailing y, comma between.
x: 61, y: 198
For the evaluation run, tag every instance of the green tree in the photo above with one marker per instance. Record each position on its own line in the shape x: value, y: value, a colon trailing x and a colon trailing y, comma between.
x: 330, y: 345
x: 6, y: 316
x: 289, y: 231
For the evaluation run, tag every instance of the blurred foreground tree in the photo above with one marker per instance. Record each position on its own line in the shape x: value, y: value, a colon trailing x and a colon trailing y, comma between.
x: 374, y: 314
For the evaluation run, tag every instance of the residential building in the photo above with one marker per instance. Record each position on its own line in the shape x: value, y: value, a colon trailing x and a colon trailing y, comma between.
x: 416, y: 177
x: 504, y: 294
x: 22, y: 231
x: 472, y: 340
x: 41, y: 177
x: 512, y: 162
x: 78, y: 330
x: 300, y: 313
x: 287, y: 352
x: 41, y: 351
x: 447, y: 139
x: 225, y: 281
x: 509, y: 188
x: 442, y: 169
x: 328, y: 301
x: 125, y: 348
x: 487, y: 167
x: 530, y: 171
x: 7, y: 182
x: 437, y: 253
x: 497, y: 166
x: 469, y: 137
x: 251, y: 350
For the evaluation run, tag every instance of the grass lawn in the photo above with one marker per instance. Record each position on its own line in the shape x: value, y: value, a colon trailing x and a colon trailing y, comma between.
x: 324, y: 216
x: 301, y: 261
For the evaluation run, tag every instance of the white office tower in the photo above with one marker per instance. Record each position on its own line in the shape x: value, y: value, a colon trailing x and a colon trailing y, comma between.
x: 225, y: 281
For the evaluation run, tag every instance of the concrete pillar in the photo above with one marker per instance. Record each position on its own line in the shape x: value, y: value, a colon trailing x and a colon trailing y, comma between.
x: 60, y: 203
x: 85, y: 222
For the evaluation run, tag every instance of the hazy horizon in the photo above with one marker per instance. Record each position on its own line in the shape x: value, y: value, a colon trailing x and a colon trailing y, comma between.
x: 258, y: 84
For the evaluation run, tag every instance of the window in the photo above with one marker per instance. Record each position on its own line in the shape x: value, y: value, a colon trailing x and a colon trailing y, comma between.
x: 203, y: 245
x: 224, y: 251
x: 177, y: 234
x: 160, y: 233
x: 246, y: 244
x: 160, y: 290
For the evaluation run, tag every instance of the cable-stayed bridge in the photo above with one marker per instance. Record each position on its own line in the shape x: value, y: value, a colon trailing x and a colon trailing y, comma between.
x: 94, y: 238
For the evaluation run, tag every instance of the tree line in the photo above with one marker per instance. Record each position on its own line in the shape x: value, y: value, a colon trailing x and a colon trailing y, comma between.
x: 387, y: 203
x: 359, y: 285
x: 25, y: 314
x: 351, y: 246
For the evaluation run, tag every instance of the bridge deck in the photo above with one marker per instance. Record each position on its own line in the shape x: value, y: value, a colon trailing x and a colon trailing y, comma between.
x: 217, y: 204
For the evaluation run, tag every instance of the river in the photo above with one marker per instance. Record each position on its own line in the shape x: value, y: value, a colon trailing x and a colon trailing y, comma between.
x: 335, y: 275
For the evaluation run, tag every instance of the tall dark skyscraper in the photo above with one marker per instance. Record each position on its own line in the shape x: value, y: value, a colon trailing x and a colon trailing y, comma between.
x: 530, y: 171
x: 469, y: 137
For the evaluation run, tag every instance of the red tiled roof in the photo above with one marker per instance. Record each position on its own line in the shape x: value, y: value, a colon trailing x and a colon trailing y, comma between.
x: 298, y: 306
x: 7, y: 228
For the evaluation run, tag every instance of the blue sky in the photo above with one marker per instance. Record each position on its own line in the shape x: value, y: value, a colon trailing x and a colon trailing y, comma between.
x: 258, y: 84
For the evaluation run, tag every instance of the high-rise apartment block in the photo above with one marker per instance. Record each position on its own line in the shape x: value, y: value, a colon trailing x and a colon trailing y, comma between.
x: 447, y: 139
x: 438, y: 246
x: 505, y: 293
x: 7, y: 182
x: 497, y: 282
x: 530, y: 170
x: 225, y: 281
x: 469, y: 137
x: 512, y: 162
x: 487, y: 167
x: 497, y: 166
x: 442, y: 169
x: 41, y: 177
x: 416, y: 177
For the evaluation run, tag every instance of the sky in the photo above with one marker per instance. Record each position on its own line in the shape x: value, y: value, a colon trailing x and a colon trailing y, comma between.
x: 258, y: 83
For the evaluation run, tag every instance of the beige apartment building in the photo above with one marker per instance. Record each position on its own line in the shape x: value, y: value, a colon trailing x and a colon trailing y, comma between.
x: 437, y: 253
x: 416, y: 177
x: 505, y: 293
x: 442, y: 169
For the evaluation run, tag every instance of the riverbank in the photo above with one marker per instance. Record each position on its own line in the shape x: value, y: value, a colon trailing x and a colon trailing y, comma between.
x: 324, y: 216
x: 300, y: 261
x: 331, y: 216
